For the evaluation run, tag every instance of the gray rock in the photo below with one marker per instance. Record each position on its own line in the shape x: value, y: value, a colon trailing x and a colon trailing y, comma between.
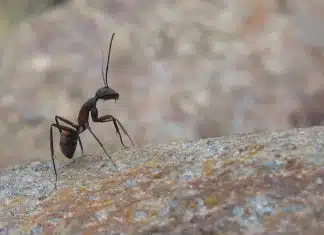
x: 241, y: 184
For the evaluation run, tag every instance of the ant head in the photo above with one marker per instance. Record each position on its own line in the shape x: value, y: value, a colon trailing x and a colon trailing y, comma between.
x: 106, y: 93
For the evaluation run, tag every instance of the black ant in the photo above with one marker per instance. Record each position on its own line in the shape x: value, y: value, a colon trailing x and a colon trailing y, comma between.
x: 69, y: 136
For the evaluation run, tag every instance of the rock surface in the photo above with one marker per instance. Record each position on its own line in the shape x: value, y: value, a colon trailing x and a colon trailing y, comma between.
x: 184, y: 70
x: 262, y: 183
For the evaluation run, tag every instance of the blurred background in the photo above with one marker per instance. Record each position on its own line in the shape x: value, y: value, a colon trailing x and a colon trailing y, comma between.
x: 184, y: 69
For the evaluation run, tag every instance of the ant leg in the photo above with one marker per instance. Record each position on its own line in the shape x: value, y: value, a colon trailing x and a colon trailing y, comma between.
x: 117, y: 129
x: 88, y: 127
x: 57, y: 117
x: 60, y: 128
x: 110, y: 118
x: 81, y: 147
x: 52, y: 154
x: 124, y: 130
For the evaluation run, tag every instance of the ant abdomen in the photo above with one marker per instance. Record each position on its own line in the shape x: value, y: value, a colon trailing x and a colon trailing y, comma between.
x: 68, y: 143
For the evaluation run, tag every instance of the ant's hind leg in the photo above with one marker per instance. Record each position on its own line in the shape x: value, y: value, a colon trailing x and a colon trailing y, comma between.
x: 81, y: 147
x: 52, y: 153
x: 60, y: 128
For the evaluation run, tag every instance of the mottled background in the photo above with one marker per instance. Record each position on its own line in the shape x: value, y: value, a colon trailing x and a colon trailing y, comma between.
x: 184, y: 69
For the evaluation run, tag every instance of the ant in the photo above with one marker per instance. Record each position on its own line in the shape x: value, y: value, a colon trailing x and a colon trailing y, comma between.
x: 69, y: 136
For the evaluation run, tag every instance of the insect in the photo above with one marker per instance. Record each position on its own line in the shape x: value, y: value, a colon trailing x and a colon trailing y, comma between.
x: 70, y: 135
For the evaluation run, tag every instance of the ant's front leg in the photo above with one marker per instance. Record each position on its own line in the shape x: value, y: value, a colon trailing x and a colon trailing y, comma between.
x: 111, y: 118
x: 71, y: 124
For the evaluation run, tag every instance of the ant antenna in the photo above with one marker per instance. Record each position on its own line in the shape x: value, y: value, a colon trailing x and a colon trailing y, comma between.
x: 104, y: 76
x: 102, y: 66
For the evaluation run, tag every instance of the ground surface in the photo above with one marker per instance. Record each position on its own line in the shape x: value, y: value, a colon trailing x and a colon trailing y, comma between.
x: 264, y: 183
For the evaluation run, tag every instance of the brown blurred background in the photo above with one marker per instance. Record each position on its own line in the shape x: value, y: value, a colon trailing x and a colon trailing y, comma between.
x: 184, y: 69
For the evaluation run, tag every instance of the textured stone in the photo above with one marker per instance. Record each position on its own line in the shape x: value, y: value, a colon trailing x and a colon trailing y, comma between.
x: 244, y: 184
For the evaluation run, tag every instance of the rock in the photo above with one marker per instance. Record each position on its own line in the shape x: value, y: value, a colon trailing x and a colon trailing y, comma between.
x: 242, y: 184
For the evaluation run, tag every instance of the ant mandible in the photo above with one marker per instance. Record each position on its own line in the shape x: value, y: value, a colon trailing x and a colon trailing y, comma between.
x: 69, y: 136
